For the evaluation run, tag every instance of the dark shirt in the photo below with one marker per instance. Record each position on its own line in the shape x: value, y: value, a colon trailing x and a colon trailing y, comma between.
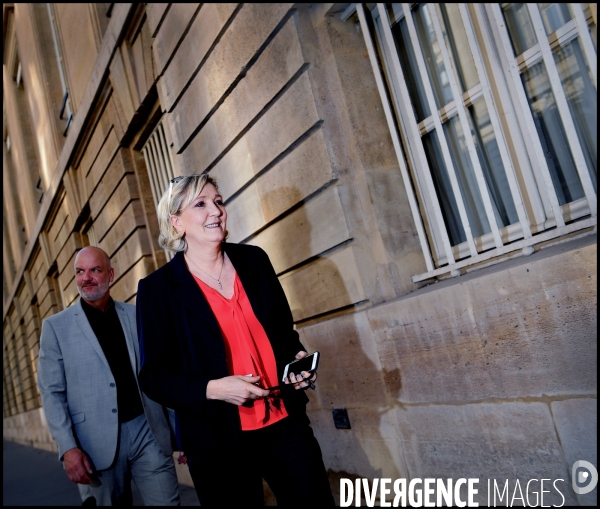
x: 109, y: 332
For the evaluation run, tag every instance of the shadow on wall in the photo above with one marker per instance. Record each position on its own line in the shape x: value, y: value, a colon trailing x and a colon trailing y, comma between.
x: 350, y: 374
x: 351, y: 378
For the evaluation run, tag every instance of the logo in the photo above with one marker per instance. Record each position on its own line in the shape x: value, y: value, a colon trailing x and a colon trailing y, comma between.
x: 584, y: 473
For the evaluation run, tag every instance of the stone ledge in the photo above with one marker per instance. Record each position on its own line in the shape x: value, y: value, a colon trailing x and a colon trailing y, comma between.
x: 522, y: 331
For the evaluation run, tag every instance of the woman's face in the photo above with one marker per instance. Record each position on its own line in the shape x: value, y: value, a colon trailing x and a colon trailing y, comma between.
x: 204, y: 220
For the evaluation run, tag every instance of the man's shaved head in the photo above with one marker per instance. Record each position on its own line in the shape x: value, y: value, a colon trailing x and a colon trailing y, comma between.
x: 93, y: 274
x: 97, y: 252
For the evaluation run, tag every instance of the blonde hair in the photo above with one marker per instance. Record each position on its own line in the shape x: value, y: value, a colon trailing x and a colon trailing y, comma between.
x: 174, y: 200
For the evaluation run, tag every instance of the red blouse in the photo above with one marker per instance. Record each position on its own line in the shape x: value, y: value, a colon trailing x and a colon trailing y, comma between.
x: 249, y: 351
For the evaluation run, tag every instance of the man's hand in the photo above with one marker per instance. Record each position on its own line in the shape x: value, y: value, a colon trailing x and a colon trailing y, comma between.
x: 77, y: 466
x: 297, y: 379
x: 236, y: 389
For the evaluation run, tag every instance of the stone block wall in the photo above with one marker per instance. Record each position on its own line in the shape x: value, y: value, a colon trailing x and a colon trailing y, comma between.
x: 29, y: 428
x: 490, y: 376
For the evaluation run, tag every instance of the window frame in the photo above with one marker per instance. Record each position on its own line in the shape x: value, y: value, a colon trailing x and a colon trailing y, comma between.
x: 543, y: 52
x: 66, y: 112
x: 159, y: 164
x: 540, y: 217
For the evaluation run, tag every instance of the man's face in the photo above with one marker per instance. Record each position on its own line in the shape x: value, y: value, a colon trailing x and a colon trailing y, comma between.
x: 93, y: 274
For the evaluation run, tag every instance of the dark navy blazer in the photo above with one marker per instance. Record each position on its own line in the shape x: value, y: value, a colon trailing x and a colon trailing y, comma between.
x: 182, y: 348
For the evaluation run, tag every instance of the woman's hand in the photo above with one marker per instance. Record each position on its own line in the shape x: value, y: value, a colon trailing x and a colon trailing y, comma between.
x: 235, y: 389
x: 297, y: 380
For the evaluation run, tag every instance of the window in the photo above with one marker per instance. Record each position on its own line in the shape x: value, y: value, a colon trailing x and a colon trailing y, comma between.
x: 159, y: 164
x: 65, y: 112
x: 558, y: 82
x: 9, y: 365
x: 498, y: 126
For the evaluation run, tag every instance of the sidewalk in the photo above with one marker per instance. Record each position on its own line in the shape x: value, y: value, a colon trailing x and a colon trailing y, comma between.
x: 36, y: 478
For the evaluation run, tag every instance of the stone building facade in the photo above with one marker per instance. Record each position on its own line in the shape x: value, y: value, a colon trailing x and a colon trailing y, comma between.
x: 449, y: 282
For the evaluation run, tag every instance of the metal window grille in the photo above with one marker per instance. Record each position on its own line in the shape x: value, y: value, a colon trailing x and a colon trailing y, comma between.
x: 159, y: 164
x: 471, y: 198
x: 91, y: 234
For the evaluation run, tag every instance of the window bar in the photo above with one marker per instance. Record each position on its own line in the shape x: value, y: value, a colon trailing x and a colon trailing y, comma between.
x: 409, y: 141
x: 64, y: 105
x: 489, y: 101
x: 349, y: 11
x: 150, y: 171
x: 395, y: 138
x: 460, y: 108
x: 586, y: 39
x: 155, y: 176
x: 160, y: 144
x: 522, y: 244
x: 161, y: 140
x: 530, y: 170
x: 152, y: 166
x: 563, y: 108
x: 160, y: 167
x: 164, y: 174
x: 153, y: 173
x: 158, y: 174
x: 157, y: 183
x: 537, y: 153
x: 92, y: 236
x: 155, y: 170
x: 164, y: 157
x: 68, y: 123
x: 438, y: 126
x: 164, y: 154
x: 413, y: 131
x: 167, y: 152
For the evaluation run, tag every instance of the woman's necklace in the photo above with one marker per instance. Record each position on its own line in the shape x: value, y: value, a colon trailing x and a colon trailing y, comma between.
x: 217, y: 279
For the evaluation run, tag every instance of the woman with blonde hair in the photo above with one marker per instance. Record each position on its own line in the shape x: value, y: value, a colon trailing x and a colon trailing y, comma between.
x: 216, y: 332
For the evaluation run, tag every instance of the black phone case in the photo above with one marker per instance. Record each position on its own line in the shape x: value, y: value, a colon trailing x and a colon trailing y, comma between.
x: 298, y: 361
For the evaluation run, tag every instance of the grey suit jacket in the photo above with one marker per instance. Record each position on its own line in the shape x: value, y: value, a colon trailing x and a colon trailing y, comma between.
x: 78, y: 389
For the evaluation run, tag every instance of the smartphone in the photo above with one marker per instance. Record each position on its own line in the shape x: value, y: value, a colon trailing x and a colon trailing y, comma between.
x: 309, y: 363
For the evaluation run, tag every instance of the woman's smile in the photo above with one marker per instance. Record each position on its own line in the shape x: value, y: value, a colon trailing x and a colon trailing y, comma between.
x: 205, y: 218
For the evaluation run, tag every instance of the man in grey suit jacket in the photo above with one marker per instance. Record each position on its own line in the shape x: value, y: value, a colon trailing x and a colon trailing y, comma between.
x: 106, y: 429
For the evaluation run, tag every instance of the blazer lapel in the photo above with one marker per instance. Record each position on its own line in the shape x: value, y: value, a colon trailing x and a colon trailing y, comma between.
x: 132, y: 346
x: 86, y: 328
x: 190, y: 295
x: 187, y: 291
